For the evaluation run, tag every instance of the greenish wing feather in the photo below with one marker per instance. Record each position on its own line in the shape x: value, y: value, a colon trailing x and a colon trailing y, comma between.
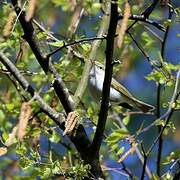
x: 139, y: 104
x: 120, y: 88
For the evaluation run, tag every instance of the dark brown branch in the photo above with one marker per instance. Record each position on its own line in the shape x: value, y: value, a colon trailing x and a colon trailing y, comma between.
x: 74, y: 43
x: 57, y: 117
x: 80, y: 140
x: 166, y: 114
x: 145, y: 161
x: 166, y: 34
x: 29, y: 36
x: 177, y: 175
x: 140, y: 47
x: 46, y: 64
x: 160, y: 141
x: 142, y: 18
x: 158, y: 114
x: 156, y: 66
x: 150, y: 9
x: 145, y: 13
x: 95, y: 147
x: 92, y: 154
x: 125, y: 169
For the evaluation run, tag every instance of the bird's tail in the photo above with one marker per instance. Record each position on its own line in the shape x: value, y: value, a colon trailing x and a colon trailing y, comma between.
x: 144, y: 107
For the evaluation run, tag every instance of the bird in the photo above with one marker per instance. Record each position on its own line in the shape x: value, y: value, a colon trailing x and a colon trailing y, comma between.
x: 118, y: 93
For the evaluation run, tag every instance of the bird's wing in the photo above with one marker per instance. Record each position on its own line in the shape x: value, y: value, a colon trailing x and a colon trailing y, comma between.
x: 139, y: 104
x: 120, y: 88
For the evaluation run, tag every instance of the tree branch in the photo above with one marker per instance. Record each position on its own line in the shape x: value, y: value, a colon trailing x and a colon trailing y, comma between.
x: 95, y: 45
x: 140, y: 48
x: 95, y: 147
x: 145, y: 13
x: 57, y: 117
x: 74, y: 43
x: 80, y: 140
x: 175, y: 95
x: 75, y: 19
x: 145, y: 161
x: 158, y: 114
x: 142, y: 18
x: 140, y: 156
x: 46, y: 64
x: 160, y: 143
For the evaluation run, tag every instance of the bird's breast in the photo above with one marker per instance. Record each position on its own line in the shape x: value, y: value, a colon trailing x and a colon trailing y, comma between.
x: 95, y: 86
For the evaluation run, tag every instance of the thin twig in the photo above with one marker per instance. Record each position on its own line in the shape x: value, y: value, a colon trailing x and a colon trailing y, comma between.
x: 155, y: 66
x: 145, y: 13
x: 59, y: 118
x: 50, y: 34
x: 171, y: 167
x: 166, y: 33
x: 171, y: 110
x: 116, y: 170
x: 166, y: 114
x: 74, y: 43
x: 141, y: 158
x: 145, y: 161
x: 141, y: 18
x: 140, y: 48
x: 75, y: 20
x: 153, y: 33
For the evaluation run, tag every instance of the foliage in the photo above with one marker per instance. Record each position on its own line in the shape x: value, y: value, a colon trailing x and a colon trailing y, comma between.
x: 44, y: 152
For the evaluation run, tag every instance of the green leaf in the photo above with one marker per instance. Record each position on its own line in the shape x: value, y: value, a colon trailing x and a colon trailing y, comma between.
x: 171, y: 157
x: 25, y: 163
x: 160, y: 122
x: 147, y: 38
x: 126, y: 120
x: 114, y: 147
x: 86, y: 47
x: 2, y: 115
x: 10, y: 106
x: 177, y: 106
x: 167, y: 22
x: 36, y: 132
x: 21, y: 149
x: 117, y: 135
x: 57, y: 44
x: 112, y: 139
x: 55, y: 137
x: 5, y: 136
x: 120, y: 151
x: 155, y: 177
x: 47, y: 172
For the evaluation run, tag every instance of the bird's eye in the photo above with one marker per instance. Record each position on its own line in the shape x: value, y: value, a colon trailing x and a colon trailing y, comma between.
x: 100, y: 67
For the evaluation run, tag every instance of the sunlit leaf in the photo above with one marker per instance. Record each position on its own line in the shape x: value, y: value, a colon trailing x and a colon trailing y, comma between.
x: 171, y: 157
x: 57, y: 44
x: 120, y: 151
x: 126, y: 120
x: 55, y: 137
x: 3, y: 151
